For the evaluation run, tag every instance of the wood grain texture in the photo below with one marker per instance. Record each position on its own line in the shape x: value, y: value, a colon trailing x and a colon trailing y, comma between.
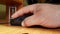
x: 20, y: 30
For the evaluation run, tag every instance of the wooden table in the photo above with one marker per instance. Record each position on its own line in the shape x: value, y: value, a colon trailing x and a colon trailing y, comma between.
x: 4, y: 29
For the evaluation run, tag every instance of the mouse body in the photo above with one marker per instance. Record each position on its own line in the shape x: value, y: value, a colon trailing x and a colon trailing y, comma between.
x: 17, y: 21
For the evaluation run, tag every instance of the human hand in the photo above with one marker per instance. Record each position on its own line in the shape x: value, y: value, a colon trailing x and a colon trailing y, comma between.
x: 46, y: 15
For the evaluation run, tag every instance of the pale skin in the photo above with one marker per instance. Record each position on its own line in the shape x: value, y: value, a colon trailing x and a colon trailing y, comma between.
x: 47, y: 15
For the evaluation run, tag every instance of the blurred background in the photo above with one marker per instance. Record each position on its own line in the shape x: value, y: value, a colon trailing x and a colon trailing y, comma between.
x: 2, y: 11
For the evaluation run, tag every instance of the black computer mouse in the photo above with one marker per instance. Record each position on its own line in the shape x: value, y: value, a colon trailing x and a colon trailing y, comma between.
x: 17, y: 21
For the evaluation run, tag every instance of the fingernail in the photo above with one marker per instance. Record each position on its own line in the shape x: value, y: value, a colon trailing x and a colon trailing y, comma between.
x: 12, y: 17
x: 23, y: 24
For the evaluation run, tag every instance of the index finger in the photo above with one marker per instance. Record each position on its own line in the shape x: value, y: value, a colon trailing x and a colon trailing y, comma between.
x: 22, y: 11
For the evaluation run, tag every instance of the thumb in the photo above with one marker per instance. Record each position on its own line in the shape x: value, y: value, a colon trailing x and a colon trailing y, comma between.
x: 32, y: 20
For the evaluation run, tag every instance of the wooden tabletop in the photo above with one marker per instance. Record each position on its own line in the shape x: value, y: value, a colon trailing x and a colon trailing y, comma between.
x: 4, y: 29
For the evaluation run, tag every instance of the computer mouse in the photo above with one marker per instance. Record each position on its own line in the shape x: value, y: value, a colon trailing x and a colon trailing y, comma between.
x: 17, y: 21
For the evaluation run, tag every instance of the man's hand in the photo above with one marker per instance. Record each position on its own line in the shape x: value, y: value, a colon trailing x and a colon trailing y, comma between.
x: 46, y: 15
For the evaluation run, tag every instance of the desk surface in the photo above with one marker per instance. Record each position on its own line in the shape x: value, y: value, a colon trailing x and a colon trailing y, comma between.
x: 21, y: 30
